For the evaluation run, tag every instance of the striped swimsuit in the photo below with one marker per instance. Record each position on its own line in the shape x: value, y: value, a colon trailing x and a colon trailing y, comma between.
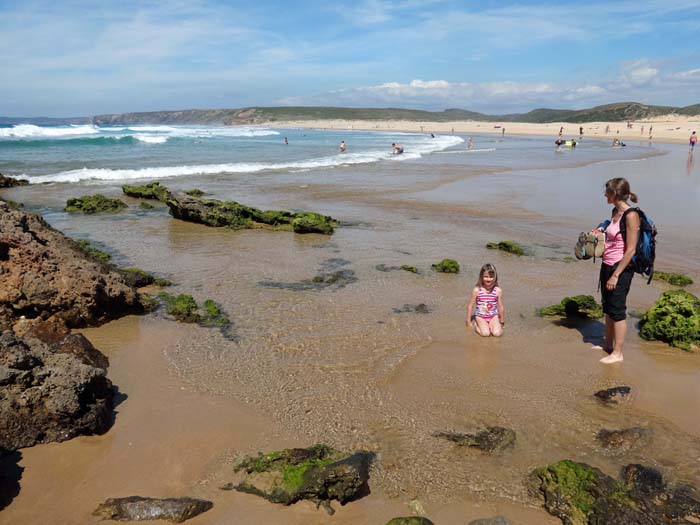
x: 486, y: 303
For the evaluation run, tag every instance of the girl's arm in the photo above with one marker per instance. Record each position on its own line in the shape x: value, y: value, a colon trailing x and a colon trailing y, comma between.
x: 470, y: 306
x: 499, y: 305
x: 632, y: 224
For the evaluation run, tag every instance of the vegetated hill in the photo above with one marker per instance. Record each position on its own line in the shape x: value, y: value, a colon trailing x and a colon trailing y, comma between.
x: 186, y: 116
x: 690, y: 110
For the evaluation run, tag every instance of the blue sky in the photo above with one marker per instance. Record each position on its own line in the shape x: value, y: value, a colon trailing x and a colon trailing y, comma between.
x: 87, y: 57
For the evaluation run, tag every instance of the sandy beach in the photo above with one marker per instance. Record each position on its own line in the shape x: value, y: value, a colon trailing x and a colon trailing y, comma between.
x: 350, y: 365
x: 673, y: 129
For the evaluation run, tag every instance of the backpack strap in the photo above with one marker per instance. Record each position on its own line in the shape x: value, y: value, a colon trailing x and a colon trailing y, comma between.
x: 623, y: 221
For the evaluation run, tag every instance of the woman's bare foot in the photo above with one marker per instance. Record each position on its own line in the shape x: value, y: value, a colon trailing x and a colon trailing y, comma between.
x: 612, y: 358
x: 602, y: 348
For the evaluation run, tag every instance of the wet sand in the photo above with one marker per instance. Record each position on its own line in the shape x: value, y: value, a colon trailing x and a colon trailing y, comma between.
x: 340, y: 366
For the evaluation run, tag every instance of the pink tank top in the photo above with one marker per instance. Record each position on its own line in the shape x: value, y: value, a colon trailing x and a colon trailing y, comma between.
x: 614, y: 244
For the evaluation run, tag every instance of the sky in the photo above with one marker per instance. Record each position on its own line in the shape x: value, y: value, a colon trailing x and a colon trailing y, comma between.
x: 80, y: 58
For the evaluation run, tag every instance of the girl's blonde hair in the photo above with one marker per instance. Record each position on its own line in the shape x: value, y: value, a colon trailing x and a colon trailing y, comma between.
x: 491, y: 270
x: 621, y: 189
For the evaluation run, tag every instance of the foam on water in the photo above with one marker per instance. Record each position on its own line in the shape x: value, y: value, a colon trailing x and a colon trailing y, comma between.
x: 151, y: 139
x: 22, y: 131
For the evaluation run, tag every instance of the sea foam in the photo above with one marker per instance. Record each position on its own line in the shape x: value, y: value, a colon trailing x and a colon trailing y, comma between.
x: 21, y: 131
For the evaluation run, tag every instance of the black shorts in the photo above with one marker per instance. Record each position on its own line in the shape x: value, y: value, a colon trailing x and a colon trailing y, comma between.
x: 615, y: 301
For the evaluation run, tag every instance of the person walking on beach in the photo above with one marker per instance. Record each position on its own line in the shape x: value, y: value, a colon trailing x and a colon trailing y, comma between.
x: 503, y: 132
x: 616, y: 272
x: 486, y: 303
x: 607, y: 129
x: 342, y: 146
x: 693, y: 139
x: 580, y: 132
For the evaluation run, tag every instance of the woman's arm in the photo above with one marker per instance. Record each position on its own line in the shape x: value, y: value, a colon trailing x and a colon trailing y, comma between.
x: 632, y: 225
x: 499, y: 305
x: 470, y: 306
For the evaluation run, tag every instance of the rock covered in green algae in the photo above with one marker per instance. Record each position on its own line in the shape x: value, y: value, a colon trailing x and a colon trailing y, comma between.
x: 137, y: 508
x: 490, y: 439
x: 185, y: 309
x: 194, y: 192
x: 675, y: 319
x: 579, y: 494
x: 446, y: 266
x: 139, y: 278
x: 318, y: 473
x: 407, y: 268
x: 154, y: 190
x: 94, y: 204
x: 584, y: 306
x: 676, y: 279
x: 10, y: 182
x: 93, y: 252
x: 310, y: 222
x: 506, y: 246
x: 410, y: 520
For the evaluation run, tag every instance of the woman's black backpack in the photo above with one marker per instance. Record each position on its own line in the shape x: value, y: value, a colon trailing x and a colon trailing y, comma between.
x: 643, y: 260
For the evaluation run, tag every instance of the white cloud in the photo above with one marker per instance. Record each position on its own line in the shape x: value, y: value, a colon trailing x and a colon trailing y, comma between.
x: 691, y: 74
x: 638, y: 73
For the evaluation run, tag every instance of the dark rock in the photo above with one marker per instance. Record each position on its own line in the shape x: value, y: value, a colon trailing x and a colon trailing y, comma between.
x: 410, y: 520
x: 498, y: 520
x: 50, y: 394
x: 10, y: 182
x: 318, y: 473
x: 611, y: 396
x: 421, y: 308
x: 579, y: 494
x: 490, y: 439
x: 625, y: 439
x: 10, y: 476
x: 338, y: 279
x: 446, y: 266
x: 138, y: 278
x: 675, y: 319
x: 45, y: 273
x: 137, y: 508
x: 582, y: 306
x: 149, y: 191
x: 146, y: 206
x: 385, y: 268
x: 506, y: 246
x: 94, y: 204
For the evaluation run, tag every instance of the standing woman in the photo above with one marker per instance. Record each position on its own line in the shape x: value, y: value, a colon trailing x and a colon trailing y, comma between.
x: 616, y: 271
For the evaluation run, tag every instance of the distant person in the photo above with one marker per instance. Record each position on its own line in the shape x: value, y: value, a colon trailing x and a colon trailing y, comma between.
x: 503, y: 132
x: 396, y: 149
x: 642, y: 132
x: 607, y: 129
x: 286, y: 141
x: 616, y: 272
x: 561, y: 131
x: 432, y: 135
x: 342, y: 146
x: 651, y: 128
x: 486, y: 303
x: 580, y: 132
x: 470, y: 144
x: 693, y: 139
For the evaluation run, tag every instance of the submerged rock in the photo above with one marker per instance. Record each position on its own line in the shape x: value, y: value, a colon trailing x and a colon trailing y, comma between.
x: 498, y: 520
x: 579, y: 494
x: 329, y: 276
x: 674, y: 319
x: 137, y: 508
x: 310, y: 222
x: 625, y: 439
x: 421, y: 308
x: 676, y: 279
x: 139, y: 278
x: 410, y: 520
x: 446, y: 266
x: 51, y: 392
x: 318, y: 473
x: 11, y: 182
x: 149, y: 191
x: 506, y: 246
x: 46, y: 273
x: 407, y: 268
x: 582, y: 306
x: 611, y: 396
x: 490, y: 439
x: 94, y: 204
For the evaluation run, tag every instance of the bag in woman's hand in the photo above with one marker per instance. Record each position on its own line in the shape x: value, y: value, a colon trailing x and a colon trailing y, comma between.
x: 590, y: 244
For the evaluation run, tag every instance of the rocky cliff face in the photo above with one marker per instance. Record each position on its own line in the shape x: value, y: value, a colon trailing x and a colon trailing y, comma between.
x: 188, y: 116
x: 43, y: 273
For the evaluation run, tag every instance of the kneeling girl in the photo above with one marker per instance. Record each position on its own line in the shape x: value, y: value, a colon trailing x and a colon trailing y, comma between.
x: 486, y: 303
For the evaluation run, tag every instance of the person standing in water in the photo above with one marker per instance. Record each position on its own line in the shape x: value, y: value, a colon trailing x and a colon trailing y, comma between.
x: 693, y: 139
x: 470, y: 144
x: 342, y: 146
x: 286, y: 141
x: 616, y: 272
x: 503, y: 132
x: 486, y: 303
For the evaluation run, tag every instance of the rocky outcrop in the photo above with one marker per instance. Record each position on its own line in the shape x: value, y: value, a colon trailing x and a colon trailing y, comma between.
x: 318, y: 473
x: 674, y: 319
x: 446, y: 266
x: 578, y: 306
x: 51, y: 392
x: 579, y: 494
x: 137, y: 508
x: 10, y: 182
x: 90, y: 204
x: 490, y: 439
x: 611, y: 396
x: 154, y: 190
x: 44, y: 273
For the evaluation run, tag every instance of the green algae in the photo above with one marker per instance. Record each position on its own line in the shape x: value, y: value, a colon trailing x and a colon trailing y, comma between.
x: 446, y: 266
x: 90, y: 204
x: 407, y: 268
x: 195, y: 192
x: 572, y: 482
x: 139, y: 278
x: 676, y: 279
x: 94, y: 253
x: 506, y: 246
x: 584, y: 306
x: 674, y: 319
x: 146, y: 206
x: 311, y: 222
x: 213, y: 316
x: 182, y: 307
x: 154, y: 190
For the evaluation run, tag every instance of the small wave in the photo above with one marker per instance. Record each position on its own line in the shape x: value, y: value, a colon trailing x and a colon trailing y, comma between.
x: 202, y: 132
x: 22, y: 131
x: 151, y: 139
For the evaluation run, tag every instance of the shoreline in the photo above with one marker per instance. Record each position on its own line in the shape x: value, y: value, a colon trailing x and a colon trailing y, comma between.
x: 671, y: 129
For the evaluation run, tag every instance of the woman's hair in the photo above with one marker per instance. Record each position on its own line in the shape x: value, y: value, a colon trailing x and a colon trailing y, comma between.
x: 621, y: 189
x: 491, y: 270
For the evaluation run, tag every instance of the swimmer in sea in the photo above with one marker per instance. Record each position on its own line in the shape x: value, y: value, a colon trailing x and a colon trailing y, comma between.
x: 342, y: 146
x: 396, y: 149
x: 470, y: 144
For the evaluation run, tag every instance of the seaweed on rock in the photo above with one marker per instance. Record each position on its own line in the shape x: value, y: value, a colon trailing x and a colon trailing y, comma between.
x: 506, y: 246
x: 582, y: 306
x: 674, y: 319
x: 446, y: 266
x: 97, y: 203
x: 675, y: 279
